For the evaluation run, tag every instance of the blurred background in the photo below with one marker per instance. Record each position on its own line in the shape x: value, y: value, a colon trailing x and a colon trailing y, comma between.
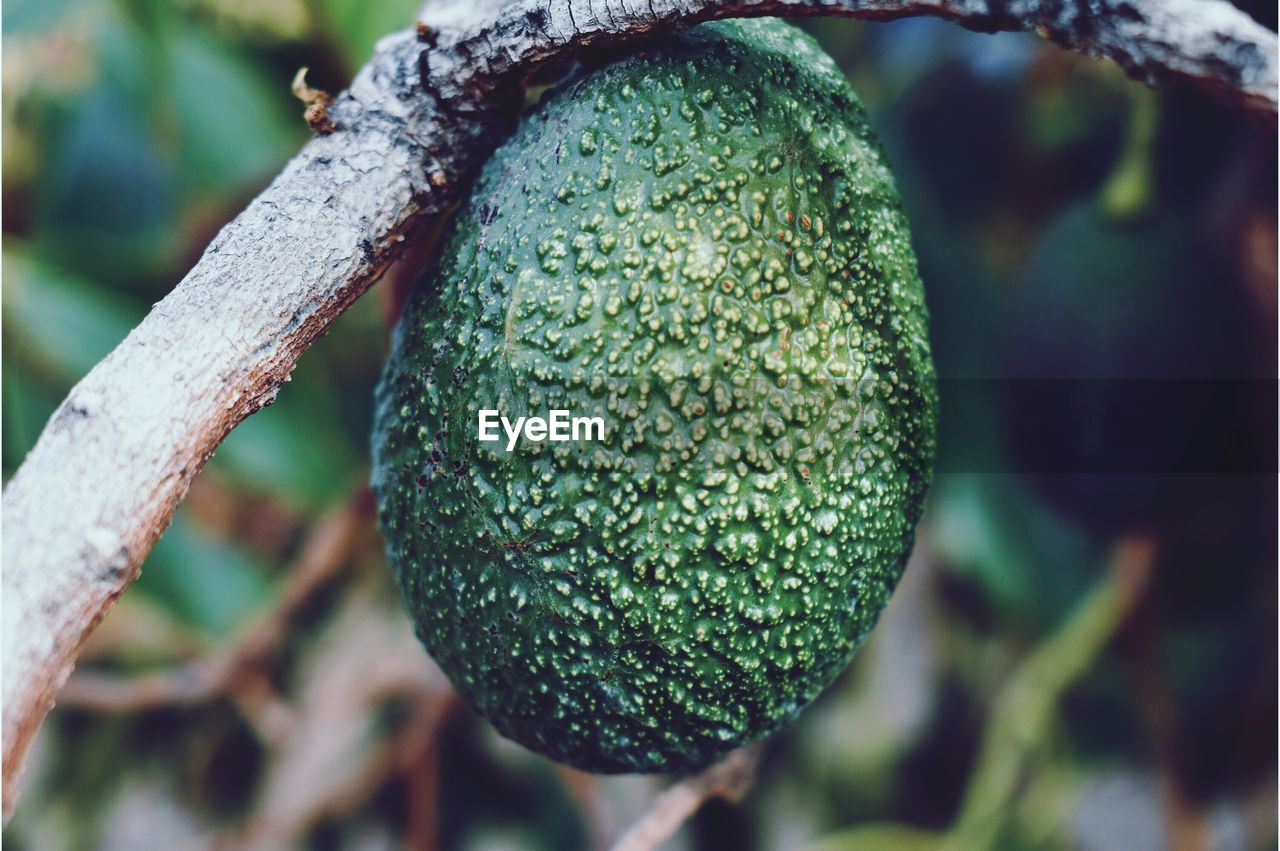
x: 1082, y: 653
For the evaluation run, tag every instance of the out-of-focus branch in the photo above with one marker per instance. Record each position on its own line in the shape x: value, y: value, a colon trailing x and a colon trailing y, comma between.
x: 326, y: 549
x: 728, y: 779
x: 1029, y: 702
x: 119, y: 453
x: 367, y: 704
x: 1023, y: 714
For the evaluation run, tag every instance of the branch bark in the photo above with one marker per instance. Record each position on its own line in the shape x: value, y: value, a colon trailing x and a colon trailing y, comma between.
x: 729, y: 779
x: 120, y: 452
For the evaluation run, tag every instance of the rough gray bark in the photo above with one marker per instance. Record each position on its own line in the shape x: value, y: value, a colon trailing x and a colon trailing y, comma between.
x: 1208, y: 42
x: 119, y: 454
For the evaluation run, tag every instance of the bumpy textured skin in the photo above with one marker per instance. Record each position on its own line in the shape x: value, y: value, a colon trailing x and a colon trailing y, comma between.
x: 702, y: 244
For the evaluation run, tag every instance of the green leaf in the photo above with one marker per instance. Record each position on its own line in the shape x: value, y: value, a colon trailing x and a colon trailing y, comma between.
x: 32, y: 17
x: 105, y: 196
x: 234, y: 122
x: 27, y: 407
x: 295, y: 449
x: 1030, y: 563
x: 357, y: 25
x: 203, y: 580
x: 62, y: 322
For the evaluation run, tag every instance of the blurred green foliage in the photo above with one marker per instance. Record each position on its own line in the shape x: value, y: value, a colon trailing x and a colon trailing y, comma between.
x: 134, y: 129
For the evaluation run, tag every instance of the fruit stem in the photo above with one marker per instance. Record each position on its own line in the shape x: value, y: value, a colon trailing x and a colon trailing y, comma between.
x: 1126, y: 195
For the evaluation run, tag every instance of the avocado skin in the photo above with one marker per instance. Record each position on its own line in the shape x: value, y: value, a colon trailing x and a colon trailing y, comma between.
x: 702, y: 243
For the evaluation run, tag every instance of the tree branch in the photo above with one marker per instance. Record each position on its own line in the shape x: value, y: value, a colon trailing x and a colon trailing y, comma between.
x: 1207, y: 42
x: 120, y: 452
x: 728, y: 779
x: 326, y: 550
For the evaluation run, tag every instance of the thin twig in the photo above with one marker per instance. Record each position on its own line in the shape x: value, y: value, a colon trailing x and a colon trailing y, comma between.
x: 317, y: 103
x: 1023, y: 715
x: 1186, y: 819
x: 418, y: 763
x: 728, y: 779
x: 338, y: 751
x: 1028, y: 705
x: 583, y: 788
x: 324, y: 552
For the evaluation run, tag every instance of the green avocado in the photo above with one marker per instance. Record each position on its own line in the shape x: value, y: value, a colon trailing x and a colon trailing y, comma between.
x: 700, y: 245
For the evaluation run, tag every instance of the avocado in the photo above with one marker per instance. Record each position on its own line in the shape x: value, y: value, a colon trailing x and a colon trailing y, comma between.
x: 1123, y: 371
x: 700, y: 245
